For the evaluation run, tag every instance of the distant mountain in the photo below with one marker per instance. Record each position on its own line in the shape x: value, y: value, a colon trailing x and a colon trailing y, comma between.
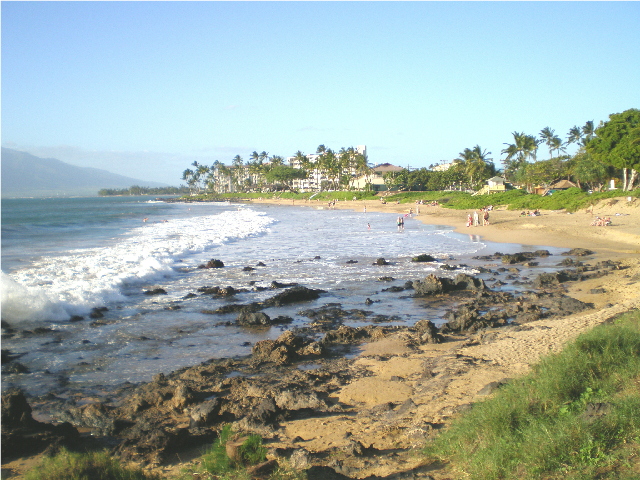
x: 25, y: 175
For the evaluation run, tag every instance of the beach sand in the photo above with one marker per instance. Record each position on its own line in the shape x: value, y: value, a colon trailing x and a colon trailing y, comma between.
x: 390, y: 371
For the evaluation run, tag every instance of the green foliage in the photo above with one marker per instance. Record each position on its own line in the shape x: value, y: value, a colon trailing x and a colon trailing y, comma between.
x: 217, y: 462
x: 615, y: 142
x: 544, y: 425
x: 137, y: 190
x: 88, y: 466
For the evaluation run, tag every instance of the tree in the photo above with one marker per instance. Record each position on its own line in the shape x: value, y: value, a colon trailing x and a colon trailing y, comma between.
x: 615, y: 143
x: 188, y: 176
x: 585, y: 169
x: 574, y: 135
x: 523, y: 148
x: 475, y: 164
x: 284, y: 175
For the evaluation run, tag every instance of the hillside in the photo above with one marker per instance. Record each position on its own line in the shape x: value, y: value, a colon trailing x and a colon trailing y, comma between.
x: 25, y: 175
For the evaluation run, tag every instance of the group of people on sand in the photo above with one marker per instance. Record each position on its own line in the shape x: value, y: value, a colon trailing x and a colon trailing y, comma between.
x: 431, y: 204
x: 477, y: 217
x: 601, y: 222
x: 534, y: 213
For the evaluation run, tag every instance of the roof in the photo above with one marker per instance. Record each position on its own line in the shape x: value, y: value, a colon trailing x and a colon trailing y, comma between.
x: 387, y: 167
x: 497, y: 180
x: 563, y: 184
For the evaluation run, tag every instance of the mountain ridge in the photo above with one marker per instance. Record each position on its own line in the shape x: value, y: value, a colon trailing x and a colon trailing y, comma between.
x: 25, y: 175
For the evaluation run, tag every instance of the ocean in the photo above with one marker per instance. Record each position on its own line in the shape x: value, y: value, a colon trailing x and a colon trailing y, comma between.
x: 63, y: 257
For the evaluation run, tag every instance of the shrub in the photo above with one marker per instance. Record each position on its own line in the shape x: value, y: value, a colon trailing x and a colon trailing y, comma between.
x: 217, y: 461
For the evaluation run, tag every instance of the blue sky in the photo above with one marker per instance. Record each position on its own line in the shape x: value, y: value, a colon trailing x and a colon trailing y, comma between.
x: 145, y: 88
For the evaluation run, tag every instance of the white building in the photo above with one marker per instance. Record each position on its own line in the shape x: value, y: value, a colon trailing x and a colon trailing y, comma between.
x: 314, y: 182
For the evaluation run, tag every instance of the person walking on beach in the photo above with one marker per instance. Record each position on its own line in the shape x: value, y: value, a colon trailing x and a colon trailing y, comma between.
x: 475, y: 218
x: 485, y: 217
x: 469, y: 220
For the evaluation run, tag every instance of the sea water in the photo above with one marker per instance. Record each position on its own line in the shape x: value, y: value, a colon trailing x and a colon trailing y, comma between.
x: 63, y: 257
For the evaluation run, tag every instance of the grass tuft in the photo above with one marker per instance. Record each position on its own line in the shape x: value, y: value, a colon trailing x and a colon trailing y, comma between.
x: 67, y: 465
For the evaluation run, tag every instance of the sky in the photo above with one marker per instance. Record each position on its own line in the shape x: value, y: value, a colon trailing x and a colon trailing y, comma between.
x: 143, y: 89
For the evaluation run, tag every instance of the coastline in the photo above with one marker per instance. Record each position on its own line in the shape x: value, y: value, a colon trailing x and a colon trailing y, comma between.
x: 400, y: 392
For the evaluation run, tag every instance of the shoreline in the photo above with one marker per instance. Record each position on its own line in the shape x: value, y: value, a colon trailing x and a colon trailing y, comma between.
x: 394, y: 404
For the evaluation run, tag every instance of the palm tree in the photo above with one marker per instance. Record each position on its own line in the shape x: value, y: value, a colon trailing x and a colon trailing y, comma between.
x: 475, y: 162
x: 277, y: 160
x: 557, y: 145
x: 588, y: 130
x: 574, y: 135
x: 264, y: 156
x: 548, y: 135
x: 188, y: 176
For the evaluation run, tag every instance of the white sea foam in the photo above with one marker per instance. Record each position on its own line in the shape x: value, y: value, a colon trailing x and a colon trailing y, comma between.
x: 55, y: 288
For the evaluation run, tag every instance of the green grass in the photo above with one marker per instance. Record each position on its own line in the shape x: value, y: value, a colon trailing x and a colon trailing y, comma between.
x: 570, y: 200
x: 537, y: 427
x: 67, y: 465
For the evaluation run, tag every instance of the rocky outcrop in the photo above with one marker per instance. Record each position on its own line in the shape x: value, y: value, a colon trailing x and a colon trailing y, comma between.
x: 22, y: 435
x: 433, y: 285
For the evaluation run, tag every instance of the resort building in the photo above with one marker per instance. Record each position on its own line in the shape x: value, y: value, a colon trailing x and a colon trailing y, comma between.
x: 318, y: 178
x: 376, y: 177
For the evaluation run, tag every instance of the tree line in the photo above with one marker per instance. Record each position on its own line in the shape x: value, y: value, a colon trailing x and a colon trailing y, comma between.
x: 612, y: 150
x: 137, y: 190
x: 327, y: 169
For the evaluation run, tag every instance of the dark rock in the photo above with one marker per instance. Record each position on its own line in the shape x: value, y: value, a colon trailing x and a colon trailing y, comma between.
x: 423, y: 258
x: 467, y: 282
x: 252, y: 319
x: 23, y: 436
x: 16, y: 411
x: 204, y: 413
x: 97, y: 312
x: 300, y: 458
x: 386, y: 279
x: 265, y: 413
x: 514, y: 258
x: 381, y: 261
x: 155, y: 291
x: 14, y: 367
x: 324, y: 473
x: 596, y: 291
x: 446, y: 266
x: 213, y: 263
x: 293, y: 295
x: 262, y: 470
x: 260, y: 264
x: 248, y: 269
x: 579, y: 252
x: 283, y: 350
x: 356, y: 449
x: 431, y: 285
x: 281, y: 320
x: 352, y: 261
x: 427, y: 332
